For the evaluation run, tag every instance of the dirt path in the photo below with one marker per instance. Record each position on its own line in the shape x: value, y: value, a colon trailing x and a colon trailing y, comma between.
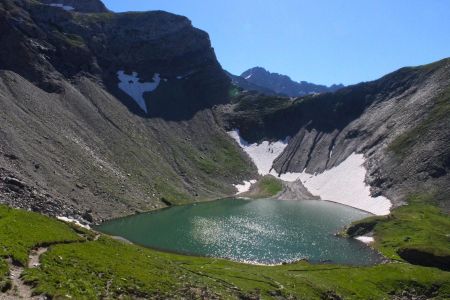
x: 35, y: 256
x: 19, y: 289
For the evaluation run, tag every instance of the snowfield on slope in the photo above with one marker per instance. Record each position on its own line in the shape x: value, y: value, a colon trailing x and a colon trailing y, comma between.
x: 130, y: 84
x: 65, y: 7
x: 343, y: 184
x: 245, y: 187
x: 262, y: 154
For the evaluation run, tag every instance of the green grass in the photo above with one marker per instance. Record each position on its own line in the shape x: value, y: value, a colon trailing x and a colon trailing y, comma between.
x: 234, y: 91
x: 418, y: 225
x: 73, y: 40
x: 82, y: 271
x: 111, y: 269
x: 4, y: 280
x: 440, y: 111
x: 266, y: 187
x: 21, y: 231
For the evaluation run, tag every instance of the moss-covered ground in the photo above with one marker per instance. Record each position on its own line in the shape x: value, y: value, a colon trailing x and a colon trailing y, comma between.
x: 268, y: 186
x: 418, y: 226
x: 106, y: 268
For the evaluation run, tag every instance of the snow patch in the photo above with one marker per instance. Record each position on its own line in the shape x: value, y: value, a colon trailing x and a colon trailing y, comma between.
x: 245, y: 187
x: 343, y: 184
x: 65, y: 7
x: 249, y: 76
x: 74, y: 221
x: 365, y: 239
x: 130, y: 84
x: 263, y: 154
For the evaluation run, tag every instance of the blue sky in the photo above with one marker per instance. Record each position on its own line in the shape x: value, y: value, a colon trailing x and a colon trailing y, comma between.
x: 334, y: 41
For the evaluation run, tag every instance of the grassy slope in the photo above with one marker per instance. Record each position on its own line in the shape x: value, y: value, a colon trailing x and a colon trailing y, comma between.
x: 108, y: 268
x: 4, y: 282
x: 266, y: 187
x: 418, y: 225
x: 21, y: 231
x: 83, y: 270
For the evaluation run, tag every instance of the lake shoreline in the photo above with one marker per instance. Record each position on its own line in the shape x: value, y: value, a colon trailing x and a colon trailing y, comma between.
x: 210, y: 229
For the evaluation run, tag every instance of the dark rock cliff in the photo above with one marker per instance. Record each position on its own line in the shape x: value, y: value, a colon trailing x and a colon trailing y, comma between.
x: 44, y: 42
x: 79, y: 143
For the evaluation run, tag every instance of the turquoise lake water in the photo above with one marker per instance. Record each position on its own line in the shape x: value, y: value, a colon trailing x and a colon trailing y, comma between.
x: 254, y: 231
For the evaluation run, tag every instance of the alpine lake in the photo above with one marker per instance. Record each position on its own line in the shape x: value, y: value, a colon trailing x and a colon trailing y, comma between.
x: 250, y: 231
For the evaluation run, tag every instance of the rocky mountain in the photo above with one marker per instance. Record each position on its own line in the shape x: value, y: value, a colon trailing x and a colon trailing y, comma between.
x: 84, y: 6
x: 400, y: 123
x: 246, y: 85
x: 106, y: 114
x: 261, y: 80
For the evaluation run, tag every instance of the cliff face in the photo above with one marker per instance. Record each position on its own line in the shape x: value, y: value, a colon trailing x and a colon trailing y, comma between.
x: 46, y: 42
x: 400, y: 123
x: 106, y: 114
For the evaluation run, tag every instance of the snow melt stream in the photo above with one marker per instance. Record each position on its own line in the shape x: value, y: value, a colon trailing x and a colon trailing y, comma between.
x: 130, y: 84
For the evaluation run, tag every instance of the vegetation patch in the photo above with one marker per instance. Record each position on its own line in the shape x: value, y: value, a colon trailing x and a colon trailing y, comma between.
x: 4, y: 280
x: 266, y: 187
x: 363, y: 226
x: 73, y: 40
x: 22, y: 231
x: 108, y: 268
x: 417, y: 232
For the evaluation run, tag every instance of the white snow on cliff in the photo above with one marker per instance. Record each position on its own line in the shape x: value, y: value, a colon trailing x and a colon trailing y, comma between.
x: 262, y: 154
x: 244, y: 187
x: 130, y: 84
x: 65, y: 7
x: 343, y: 184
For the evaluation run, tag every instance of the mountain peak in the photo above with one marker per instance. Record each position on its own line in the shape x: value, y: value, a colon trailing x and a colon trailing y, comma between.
x: 283, y: 84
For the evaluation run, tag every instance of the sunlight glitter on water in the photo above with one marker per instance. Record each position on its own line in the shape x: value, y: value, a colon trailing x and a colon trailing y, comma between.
x: 262, y: 231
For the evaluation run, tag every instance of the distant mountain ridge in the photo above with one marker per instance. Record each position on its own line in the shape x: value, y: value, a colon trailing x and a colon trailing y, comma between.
x: 280, y: 84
